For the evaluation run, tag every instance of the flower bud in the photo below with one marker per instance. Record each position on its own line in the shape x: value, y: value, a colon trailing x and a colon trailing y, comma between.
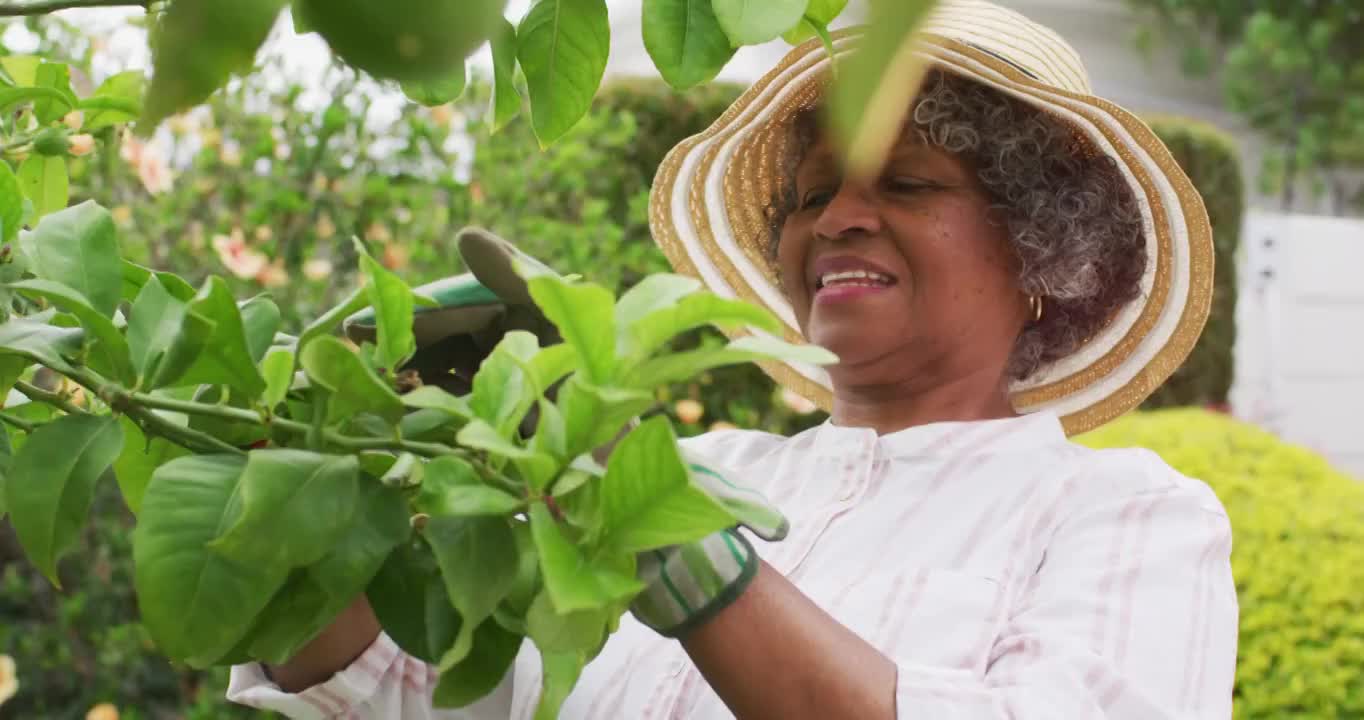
x: 74, y: 119
x: 689, y: 411
x: 82, y: 144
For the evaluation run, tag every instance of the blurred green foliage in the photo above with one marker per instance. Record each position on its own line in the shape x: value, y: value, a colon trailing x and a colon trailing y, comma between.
x: 1211, y: 160
x: 1298, y: 558
x: 1293, y: 70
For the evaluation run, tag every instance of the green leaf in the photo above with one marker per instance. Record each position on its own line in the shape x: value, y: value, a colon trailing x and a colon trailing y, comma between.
x: 51, y: 484
x: 648, y: 499
x: 593, y: 416
x: 654, y: 329
x: 164, y: 337
x: 393, y: 305
x: 408, y: 596
x: 675, y: 368
x: 230, y: 362
x: 572, y: 582
x: 585, y: 316
x: 139, y: 459
x: 44, y: 181
x: 685, y: 40
x: 871, y: 96
x: 196, y: 46
x: 22, y: 69
x: 653, y: 293
x: 356, y: 388
x: 480, y: 673
x: 196, y: 604
x: 551, y: 364
x: 278, y: 370
x: 582, y: 631
x: 356, y: 301
x: 118, y: 100
x: 260, y: 323
x: 822, y: 12
x: 35, y: 339
x: 6, y: 458
x: 451, y: 487
x: 560, y: 672
x: 506, y: 102
x: 108, y: 349
x: 315, y: 595
x: 501, y: 394
x: 437, y: 90
x: 11, y: 204
x: 430, y: 397
x: 56, y: 76
x: 295, y: 506
x: 480, y: 435
x: 78, y: 248
x: 477, y: 557
x: 562, y: 46
x: 11, y: 96
x: 753, y: 22
x: 551, y: 435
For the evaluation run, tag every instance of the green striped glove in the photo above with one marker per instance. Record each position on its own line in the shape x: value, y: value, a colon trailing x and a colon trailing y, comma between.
x: 687, y: 585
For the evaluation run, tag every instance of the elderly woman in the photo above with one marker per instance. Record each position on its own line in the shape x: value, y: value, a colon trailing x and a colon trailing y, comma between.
x: 1029, y: 263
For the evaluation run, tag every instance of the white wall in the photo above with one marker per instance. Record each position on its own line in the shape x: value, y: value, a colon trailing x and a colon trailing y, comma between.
x: 1300, y: 333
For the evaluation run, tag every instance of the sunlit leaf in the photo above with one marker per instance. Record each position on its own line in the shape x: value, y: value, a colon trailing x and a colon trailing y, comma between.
x: 872, y: 93
x: 506, y: 102
x: 573, y: 582
x: 355, y: 387
x: 229, y: 362
x: 78, y: 247
x: 45, y: 183
x: 140, y: 458
x: 585, y: 316
x: 685, y: 41
x: 196, y: 46
x: 752, y: 22
x: 491, y: 658
x: 562, y: 46
x: 108, y: 351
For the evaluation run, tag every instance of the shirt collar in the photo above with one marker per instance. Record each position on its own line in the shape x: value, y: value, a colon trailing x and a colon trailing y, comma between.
x: 1026, y: 432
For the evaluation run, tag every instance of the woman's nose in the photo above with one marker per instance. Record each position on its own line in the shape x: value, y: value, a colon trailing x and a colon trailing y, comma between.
x: 851, y: 211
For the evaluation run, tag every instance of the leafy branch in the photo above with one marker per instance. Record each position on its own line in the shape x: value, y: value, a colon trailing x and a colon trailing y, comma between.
x: 43, y: 7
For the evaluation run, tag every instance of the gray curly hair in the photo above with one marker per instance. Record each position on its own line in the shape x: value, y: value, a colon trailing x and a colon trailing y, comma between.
x: 1072, y: 219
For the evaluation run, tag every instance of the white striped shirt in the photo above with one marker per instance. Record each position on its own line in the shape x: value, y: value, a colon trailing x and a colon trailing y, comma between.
x: 1008, y: 573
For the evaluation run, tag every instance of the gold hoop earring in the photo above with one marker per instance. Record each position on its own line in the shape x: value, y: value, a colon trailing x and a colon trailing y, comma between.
x: 1035, y: 305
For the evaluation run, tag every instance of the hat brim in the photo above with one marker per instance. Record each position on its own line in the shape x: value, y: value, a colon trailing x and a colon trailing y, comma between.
x: 708, y: 213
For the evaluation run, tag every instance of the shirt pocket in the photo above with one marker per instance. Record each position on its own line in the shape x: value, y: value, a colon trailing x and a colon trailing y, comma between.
x: 946, y: 619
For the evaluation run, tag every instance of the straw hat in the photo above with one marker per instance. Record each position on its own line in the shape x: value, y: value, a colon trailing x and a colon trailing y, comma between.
x: 709, y: 200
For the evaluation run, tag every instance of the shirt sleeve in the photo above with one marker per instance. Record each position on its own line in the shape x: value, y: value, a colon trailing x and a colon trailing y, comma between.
x: 1132, y: 615
x: 383, y: 683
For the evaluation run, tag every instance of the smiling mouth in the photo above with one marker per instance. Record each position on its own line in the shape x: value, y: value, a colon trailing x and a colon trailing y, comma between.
x: 853, y: 278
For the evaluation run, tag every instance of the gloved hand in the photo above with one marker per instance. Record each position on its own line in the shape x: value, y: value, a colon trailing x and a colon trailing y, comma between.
x: 472, y: 313
x: 687, y: 585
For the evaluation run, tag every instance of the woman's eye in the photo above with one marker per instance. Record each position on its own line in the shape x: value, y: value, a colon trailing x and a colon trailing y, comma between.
x: 815, y: 197
x: 907, y: 185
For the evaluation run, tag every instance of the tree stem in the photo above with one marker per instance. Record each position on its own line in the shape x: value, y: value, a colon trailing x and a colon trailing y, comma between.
x: 43, y: 7
x: 20, y: 423
x: 44, y: 396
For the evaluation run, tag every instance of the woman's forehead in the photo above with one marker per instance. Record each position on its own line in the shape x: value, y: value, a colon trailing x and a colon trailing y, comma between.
x: 823, y: 153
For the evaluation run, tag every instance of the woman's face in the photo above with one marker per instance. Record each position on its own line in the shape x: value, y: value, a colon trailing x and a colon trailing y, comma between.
x: 905, y: 277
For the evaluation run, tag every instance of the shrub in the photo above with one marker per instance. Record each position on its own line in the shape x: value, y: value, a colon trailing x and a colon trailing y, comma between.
x: 1298, y: 558
x: 1211, y: 159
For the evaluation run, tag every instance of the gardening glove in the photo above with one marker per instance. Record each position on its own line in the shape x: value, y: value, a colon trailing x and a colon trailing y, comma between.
x: 687, y: 585
x: 473, y: 312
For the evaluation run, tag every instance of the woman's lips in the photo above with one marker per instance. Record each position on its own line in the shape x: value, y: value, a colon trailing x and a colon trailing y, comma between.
x: 847, y: 292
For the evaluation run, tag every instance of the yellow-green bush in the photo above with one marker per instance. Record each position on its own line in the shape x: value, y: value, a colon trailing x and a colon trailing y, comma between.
x: 1298, y: 558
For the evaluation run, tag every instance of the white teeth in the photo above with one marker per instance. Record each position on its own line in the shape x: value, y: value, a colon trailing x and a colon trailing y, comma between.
x: 854, y: 277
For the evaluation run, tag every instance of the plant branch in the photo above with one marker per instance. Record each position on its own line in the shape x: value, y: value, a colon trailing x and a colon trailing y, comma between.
x: 20, y: 423
x: 345, y: 442
x: 43, y: 7
x: 57, y: 400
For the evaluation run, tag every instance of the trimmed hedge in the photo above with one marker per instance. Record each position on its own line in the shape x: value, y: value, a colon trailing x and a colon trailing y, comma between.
x: 1298, y: 558
x: 1211, y: 159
